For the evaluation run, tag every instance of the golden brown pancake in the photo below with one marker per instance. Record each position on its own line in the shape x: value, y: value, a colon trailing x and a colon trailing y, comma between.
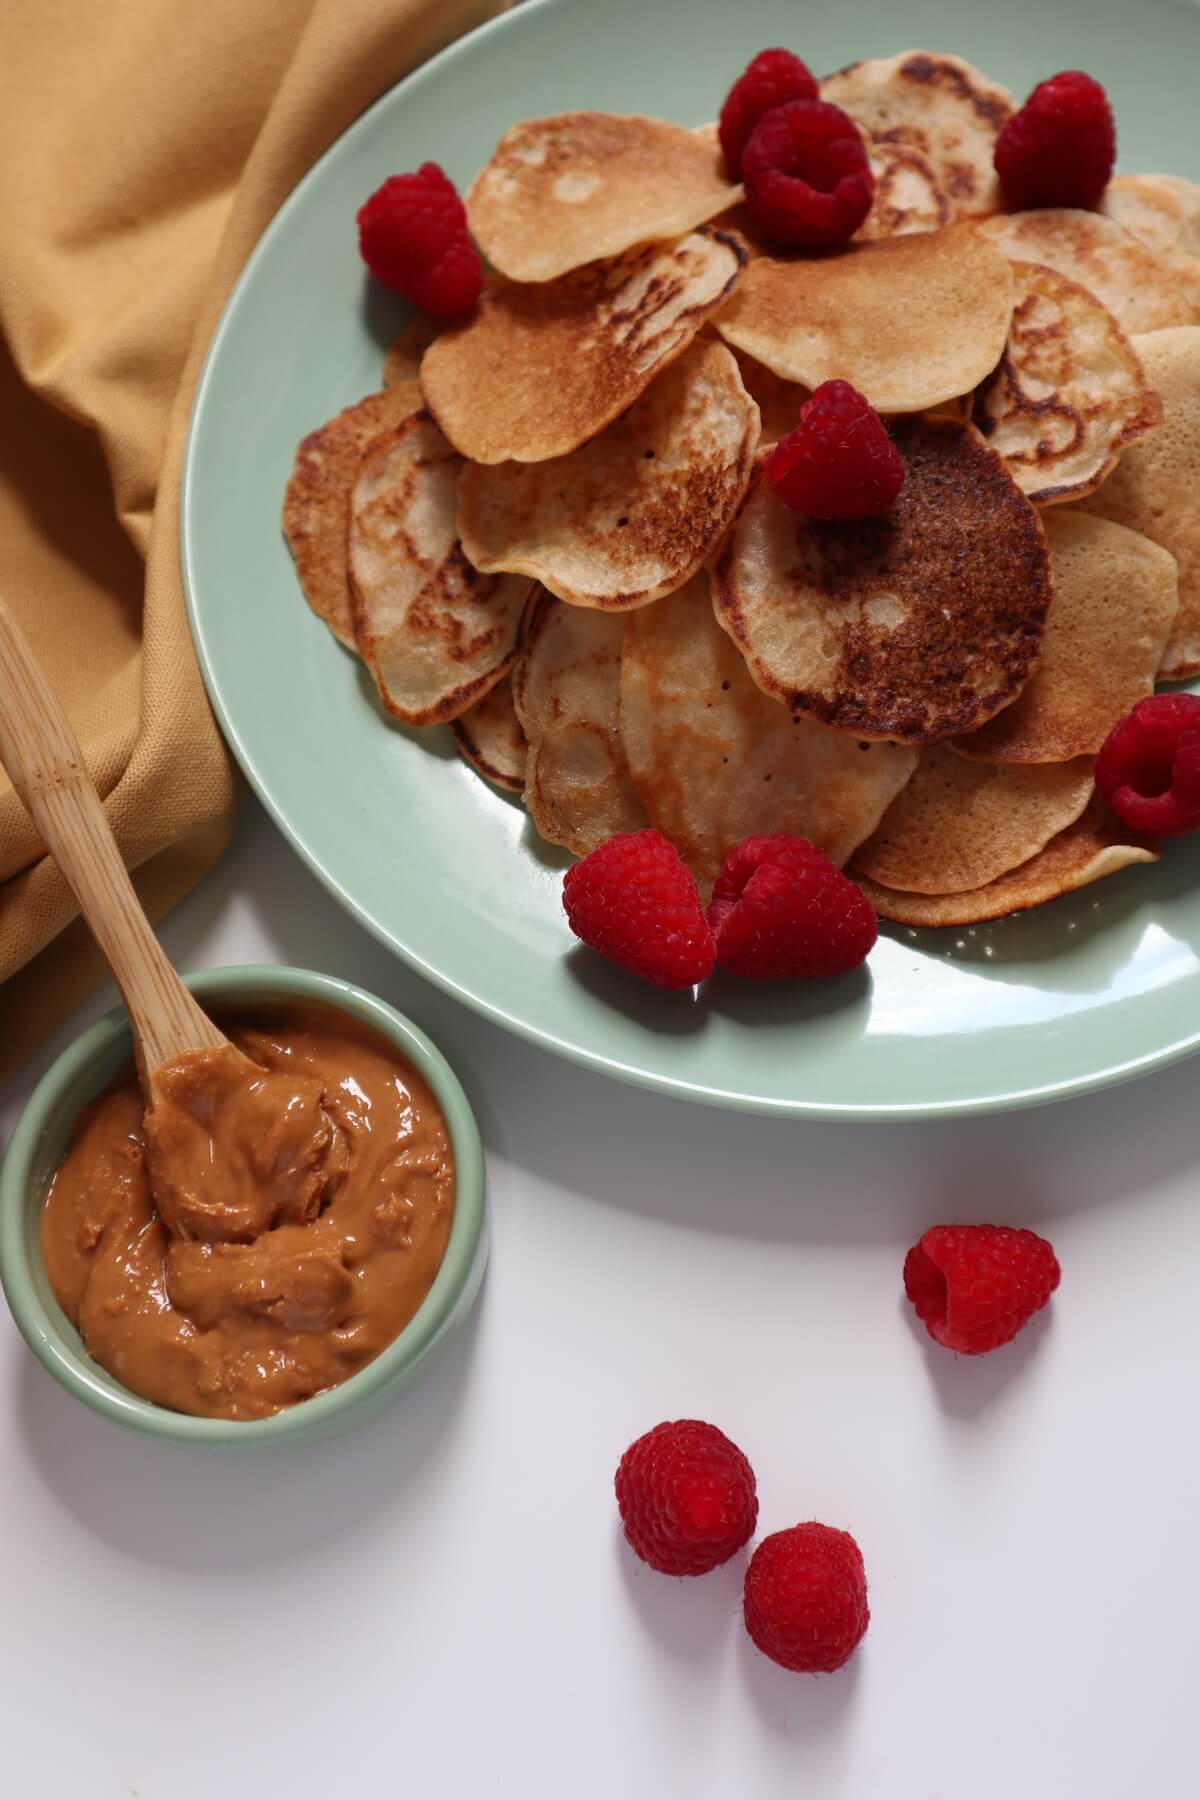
x: 1070, y: 393
x: 433, y: 631
x: 908, y: 196
x: 915, y: 626
x: 541, y: 369
x: 1093, y: 847
x: 490, y: 738
x: 632, y: 514
x: 911, y: 321
x: 1115, y: 599
x: 714, y: 760
x: 959, y: 825
x: 318, y: 491
x: 567, y: 190
x: 1139, y: 289
x: 938, y: 106
x: 403, y: 360
x: 1155, y: 488
x: 567, y: 690
x: 778, y: 402
x: 1164, y: 212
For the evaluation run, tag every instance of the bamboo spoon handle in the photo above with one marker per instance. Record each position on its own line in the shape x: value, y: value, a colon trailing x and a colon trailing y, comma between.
x: 42, y: 756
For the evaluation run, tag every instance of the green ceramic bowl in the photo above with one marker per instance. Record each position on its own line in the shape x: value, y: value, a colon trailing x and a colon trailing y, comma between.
x: 37, y: 1147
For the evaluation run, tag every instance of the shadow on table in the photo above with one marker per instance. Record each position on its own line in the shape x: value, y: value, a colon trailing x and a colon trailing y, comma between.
x: 967, y: 1386
x: 801, y: 1706
x: 688, y: 1616
x: 222, y: 1511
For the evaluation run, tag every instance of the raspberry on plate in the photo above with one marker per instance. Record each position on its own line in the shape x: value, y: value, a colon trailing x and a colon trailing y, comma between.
x: 808, y: 181
x: 839, y: 462
x: 805, y: 1601
x: 636, y: 902
x: 975, y: 1286
x: 1148, y: 769
x: 1059, y: 149
x: 413, y: 236
x: 781, y: 911
x: 687, y: 1497
x: 774, y: 77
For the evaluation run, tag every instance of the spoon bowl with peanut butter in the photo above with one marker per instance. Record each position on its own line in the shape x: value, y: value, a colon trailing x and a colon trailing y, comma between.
x: 258, y: 1225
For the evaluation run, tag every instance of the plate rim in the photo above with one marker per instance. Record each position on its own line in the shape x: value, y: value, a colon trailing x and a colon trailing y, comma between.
x: 677, y: 1087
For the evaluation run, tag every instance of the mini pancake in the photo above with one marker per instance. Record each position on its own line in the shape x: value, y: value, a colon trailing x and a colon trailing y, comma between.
x: 433, y: 631
x: 541, y: 369
x: 959, y: 825
x: 403, y: 360
x: 1138, y: 288
x: 916, y: 626
x: 314, y: 506
x: 938, y: 106
x: 1115, y: 599
x: 490, y: 738
x: 1155, y: 488
x: 566, y: 190
x: 908, y: 196
x: 714, y: 760
x: 1095, y: 846
x: 567, y: 691
x: 911, y: 321
x: 632, y: 514
x: 1164, y: 212
x: 778, y: 402
x: 1070, y: 393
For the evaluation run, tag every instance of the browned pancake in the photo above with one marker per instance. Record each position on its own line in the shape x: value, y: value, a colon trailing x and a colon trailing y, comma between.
x: 908, y: 196
x: 314, y: 506
x: 490, y: 738
x: 542, y: 368
x: 913, y: 627
x: 1141, y: 289
x: 1096, y: 845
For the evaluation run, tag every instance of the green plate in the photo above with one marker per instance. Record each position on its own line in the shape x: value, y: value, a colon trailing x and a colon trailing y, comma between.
x: 1082, y: 993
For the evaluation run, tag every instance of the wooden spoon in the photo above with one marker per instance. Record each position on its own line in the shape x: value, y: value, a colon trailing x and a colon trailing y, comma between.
x: 41, y: 754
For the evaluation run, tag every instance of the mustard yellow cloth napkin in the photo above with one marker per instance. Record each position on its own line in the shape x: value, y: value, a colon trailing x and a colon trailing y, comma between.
x: 144, y: 146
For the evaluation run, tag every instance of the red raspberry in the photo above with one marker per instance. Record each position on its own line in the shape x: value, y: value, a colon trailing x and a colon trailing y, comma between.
x: 687, y: 1497
x: 975, y: 1286
x: 1148, y: 769
x: 805, y: 1603
x: 839, y: 462
x: 1059, y: 149
x: 808, y: 181
x: 636, y: 902
x: 413, y: 236
x: 774, y: 77
x: 780, y: 911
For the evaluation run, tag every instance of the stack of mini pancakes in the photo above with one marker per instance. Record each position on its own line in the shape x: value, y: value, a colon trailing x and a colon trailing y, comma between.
x: 551, y: 528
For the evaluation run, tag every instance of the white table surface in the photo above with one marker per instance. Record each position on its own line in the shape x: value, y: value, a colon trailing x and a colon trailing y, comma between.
x: 439, y: 1603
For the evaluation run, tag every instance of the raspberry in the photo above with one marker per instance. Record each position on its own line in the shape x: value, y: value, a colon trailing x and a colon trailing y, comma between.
x: 1148, y: 769
x: 808, y: 181
x: 975, y: 1286
x: 413, y: 236
x: 780, y: 911
x: 839, y: 462
x: 774, y: 77
x: 687, y: 1497
x: 636, y: 902
x: 805, y: 1602
x: 1059, y: 149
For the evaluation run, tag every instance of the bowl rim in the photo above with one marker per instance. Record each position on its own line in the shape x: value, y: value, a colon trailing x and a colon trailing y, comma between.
x: 74, y: 1370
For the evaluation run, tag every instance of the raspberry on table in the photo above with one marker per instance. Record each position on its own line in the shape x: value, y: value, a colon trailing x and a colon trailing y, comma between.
x: 805, y: 1601
x: 636, y: 902
x: 1148, y: 769
x: 413, y: 236
x: 1060, y: 147
x: 774, y: 77
x: 975, y: 1286
x: 839, y: 462
x: 781, y: 911
x: 808, y: 181
x: 687, y: 1497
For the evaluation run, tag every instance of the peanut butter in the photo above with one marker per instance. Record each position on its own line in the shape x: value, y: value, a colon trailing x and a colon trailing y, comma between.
x: 303, y: 1210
